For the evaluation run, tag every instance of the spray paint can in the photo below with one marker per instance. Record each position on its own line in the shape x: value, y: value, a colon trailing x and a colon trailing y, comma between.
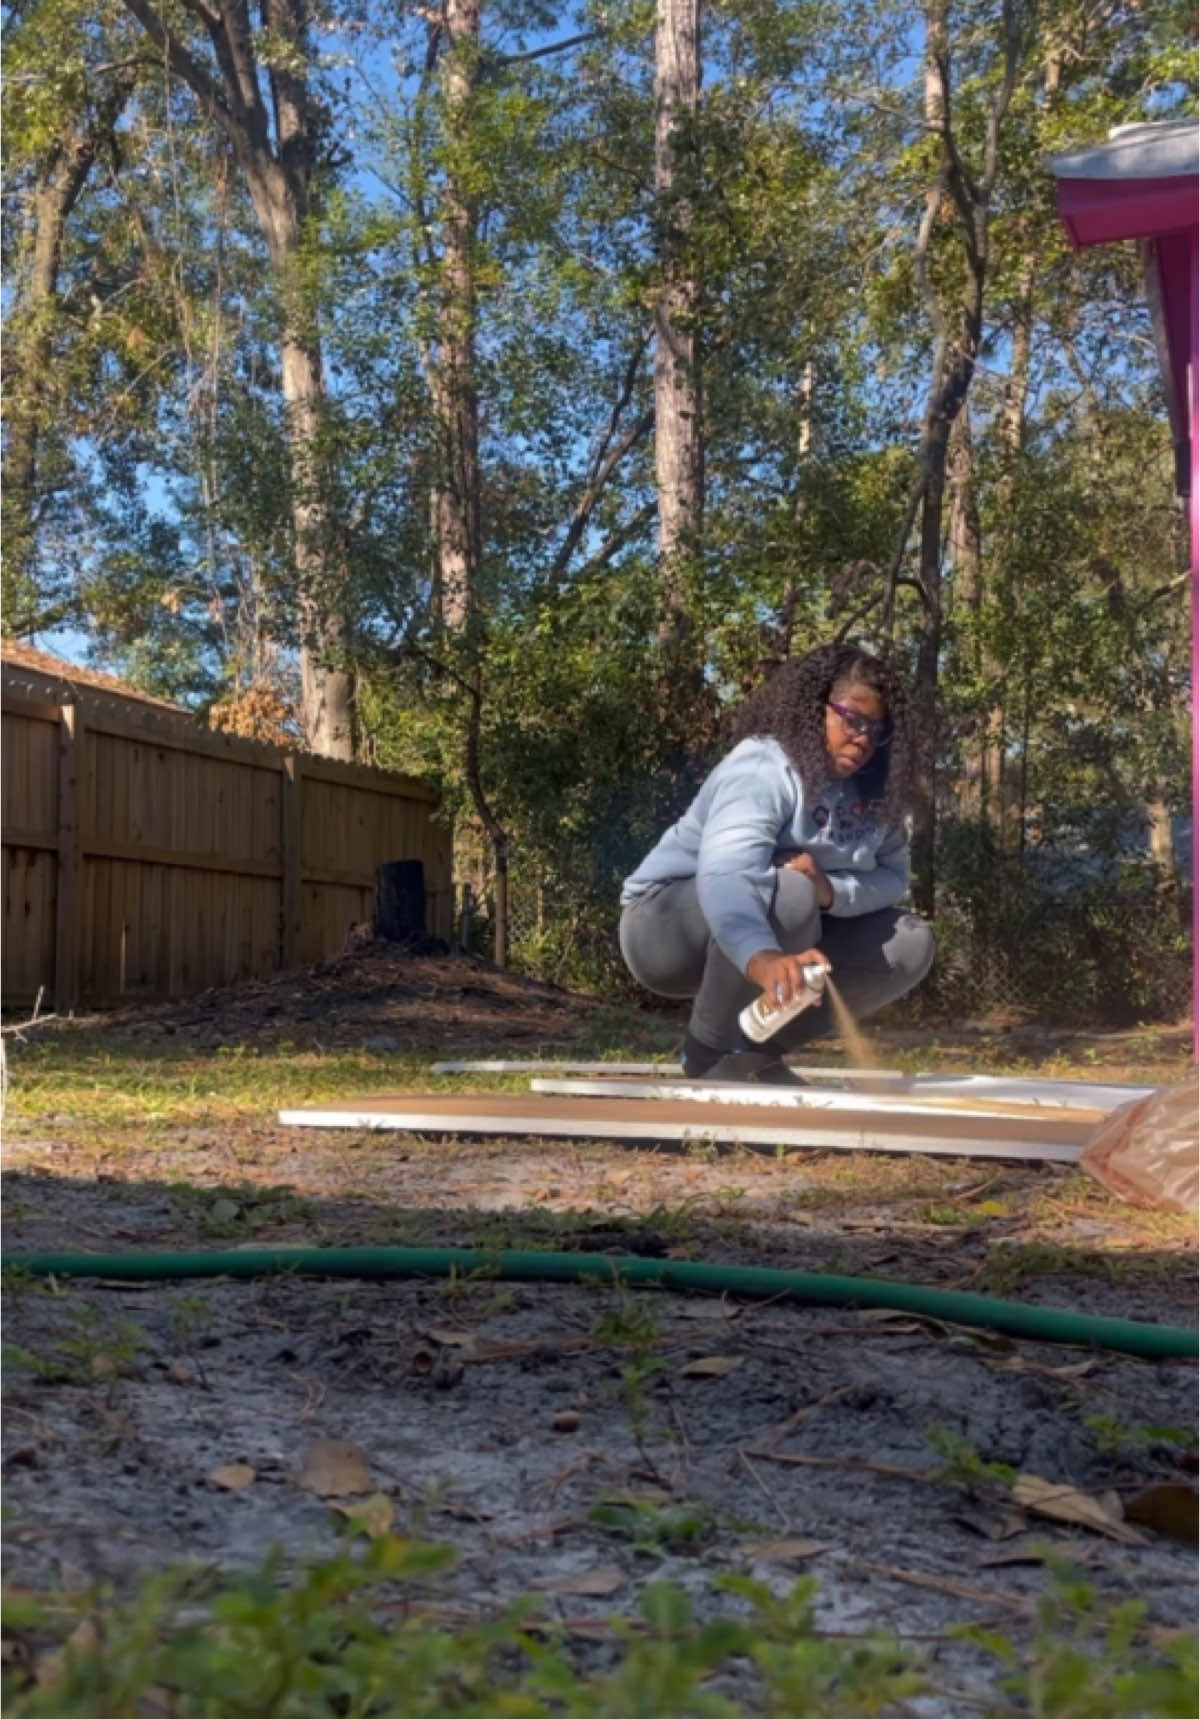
x: 762, y: 1018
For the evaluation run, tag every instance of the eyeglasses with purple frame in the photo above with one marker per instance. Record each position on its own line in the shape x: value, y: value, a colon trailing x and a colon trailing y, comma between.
x: 878, y: 733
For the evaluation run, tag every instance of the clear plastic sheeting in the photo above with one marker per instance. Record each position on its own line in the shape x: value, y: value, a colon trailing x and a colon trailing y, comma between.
x: 1148, y: 1151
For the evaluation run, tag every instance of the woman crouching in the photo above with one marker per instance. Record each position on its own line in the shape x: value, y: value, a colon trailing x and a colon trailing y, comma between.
x: 794, y: 851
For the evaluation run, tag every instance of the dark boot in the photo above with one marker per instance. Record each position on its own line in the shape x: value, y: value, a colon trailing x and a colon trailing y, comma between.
x: 756, y: 1067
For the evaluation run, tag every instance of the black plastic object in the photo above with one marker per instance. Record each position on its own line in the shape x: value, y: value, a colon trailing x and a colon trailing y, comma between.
x: 400, y: 900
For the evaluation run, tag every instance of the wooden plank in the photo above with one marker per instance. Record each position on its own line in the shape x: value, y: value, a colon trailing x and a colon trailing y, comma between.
x: 291, y: 828
x: 29, y: 780
x: 811, y: 1098
x: 14, y: 837
x: 367, y: 779
x: 67, y: 917
x: 182, y: 733
x: 88, y: 781
x: 135, y: 852
x: 340, y: 879
x: 87, y: 961
x: 1046, y: 1141
x: 26, y: 704
x: 158, y: 796
x: 28, y: 924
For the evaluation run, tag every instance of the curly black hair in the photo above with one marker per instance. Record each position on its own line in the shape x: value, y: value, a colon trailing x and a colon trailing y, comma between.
x: 790, y: 707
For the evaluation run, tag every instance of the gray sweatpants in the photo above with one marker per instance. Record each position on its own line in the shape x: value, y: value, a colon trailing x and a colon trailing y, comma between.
x: 669, y: 949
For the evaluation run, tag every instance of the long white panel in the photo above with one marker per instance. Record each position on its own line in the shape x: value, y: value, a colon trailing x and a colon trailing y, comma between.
x: 747, y: 1131
x: 903, y: 1103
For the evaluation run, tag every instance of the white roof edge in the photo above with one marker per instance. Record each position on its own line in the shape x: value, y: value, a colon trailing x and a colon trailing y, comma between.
x: 1157, y: 149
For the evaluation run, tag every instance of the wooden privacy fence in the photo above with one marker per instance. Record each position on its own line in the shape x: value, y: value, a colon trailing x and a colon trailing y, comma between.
x: 145, y: 857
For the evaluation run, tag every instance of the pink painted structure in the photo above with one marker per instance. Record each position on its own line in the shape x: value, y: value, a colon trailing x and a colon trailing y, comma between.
x: 1144, y: 183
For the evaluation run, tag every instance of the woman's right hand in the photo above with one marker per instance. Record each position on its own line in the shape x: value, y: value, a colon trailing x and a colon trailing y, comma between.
x: 781, y: 976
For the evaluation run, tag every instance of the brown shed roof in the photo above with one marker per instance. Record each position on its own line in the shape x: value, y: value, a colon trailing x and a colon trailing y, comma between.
x: 16, y: 654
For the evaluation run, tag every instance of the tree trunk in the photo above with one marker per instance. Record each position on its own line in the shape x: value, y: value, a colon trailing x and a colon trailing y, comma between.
x: 326, y: 689
x: 935, y: 439
x: 1010, y: 425
x: 956, y: 351
x: 456, y: 505
x: 1162, y: 843
x: 995, y: 807
x: 497, y: 835
x: 966, y: 562
x: 29, y: 351
x: 275, y: 146
x: 929, y: 645
x: 678, y: 446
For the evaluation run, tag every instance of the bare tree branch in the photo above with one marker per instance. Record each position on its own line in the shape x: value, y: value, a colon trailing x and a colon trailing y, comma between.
x: 1012, y: 62
x: 933, y: 201
x: 628, y: 383
x: 636, y: 523
x: 185, y: 65
x: 1175, y: 584
x: 606, y: 458
x: 550, y: 48
x: 892, y: 577
x: 591, y: 495
x: 945, y: 127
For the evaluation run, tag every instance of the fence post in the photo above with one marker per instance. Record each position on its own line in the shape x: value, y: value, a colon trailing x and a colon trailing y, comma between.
x: 67, y: 890
x: 292, y: 831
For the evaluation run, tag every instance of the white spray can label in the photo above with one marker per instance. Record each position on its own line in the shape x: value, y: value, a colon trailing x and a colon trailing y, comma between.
x: 763, y: 1018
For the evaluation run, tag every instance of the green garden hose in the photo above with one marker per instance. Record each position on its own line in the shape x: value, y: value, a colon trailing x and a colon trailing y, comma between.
x: 1015, y: 1318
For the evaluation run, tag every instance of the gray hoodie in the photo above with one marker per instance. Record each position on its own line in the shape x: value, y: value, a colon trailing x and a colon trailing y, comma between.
x: 751, y: 811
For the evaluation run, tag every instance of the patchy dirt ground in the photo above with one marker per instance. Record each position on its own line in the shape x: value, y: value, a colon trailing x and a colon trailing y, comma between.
x: 563, y: 1438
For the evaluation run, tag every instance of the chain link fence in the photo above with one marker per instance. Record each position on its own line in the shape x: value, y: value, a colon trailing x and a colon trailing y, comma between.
x: 1054, y: 938
x: 1080, y: 942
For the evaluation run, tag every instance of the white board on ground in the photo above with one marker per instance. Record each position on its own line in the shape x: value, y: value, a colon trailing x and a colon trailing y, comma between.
x: 665, y: 1070
x: 904, y: 1102
x: 1067, y: 1094
x: 631, y: 1119
x: 1016, y: 1089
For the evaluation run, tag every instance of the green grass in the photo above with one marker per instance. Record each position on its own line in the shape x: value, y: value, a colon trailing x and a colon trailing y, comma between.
x: 355, y: 1637
x: 145, y: 1085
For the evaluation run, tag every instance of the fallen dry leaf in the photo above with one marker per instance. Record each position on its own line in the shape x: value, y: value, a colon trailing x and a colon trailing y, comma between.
x: 334, y: 1468
x: 784, y: 1551
x: 451, y: 1339
x: 902, y: 1322
x: 1171, y: 1509
x: 599, y: 1584
x: 1068, y: 1504
x: 234, y: 1476
x: 1069, y: 1370
x: 83, y: 1639
x: 1077, y: 1552
x: 651, y: 1495
x: 993, y: 1524
x: 374, y: 1515
x: 711, y: 1366
x: 950, y: 1585
x: 463, y: 1513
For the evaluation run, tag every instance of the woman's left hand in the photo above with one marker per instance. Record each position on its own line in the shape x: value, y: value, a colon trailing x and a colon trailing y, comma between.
x: 811, y: 869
